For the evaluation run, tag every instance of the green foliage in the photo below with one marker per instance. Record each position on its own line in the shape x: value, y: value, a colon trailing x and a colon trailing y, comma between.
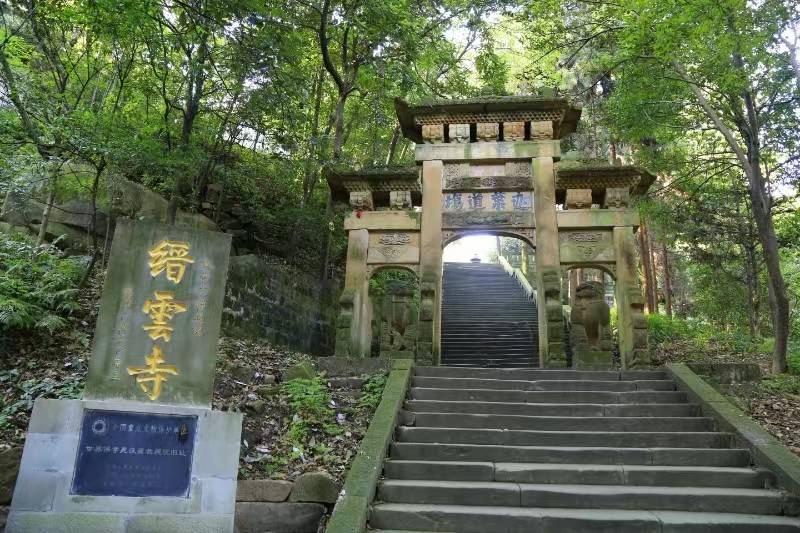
x: 38, y: 287
x: 312, y: 411
x: 701, y: 337
x: 373, y: 391
x: 793, y: 357
x: 782, y: 384
x: 662, y: 328
x: 380, y: 283
x: 29, y: 390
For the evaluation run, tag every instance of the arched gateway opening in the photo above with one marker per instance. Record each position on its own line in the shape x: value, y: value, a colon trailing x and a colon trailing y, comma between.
x: 494, y: 166
x: 488, y: 314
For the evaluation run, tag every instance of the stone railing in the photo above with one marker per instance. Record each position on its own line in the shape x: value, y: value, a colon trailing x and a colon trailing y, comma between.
x: 520, y: 278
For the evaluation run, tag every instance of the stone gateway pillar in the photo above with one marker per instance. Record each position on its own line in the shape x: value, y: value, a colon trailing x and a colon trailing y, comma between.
x: 428, y: 348
x: 353, y: 335
x: 548, y: 266
x: 631, y: 321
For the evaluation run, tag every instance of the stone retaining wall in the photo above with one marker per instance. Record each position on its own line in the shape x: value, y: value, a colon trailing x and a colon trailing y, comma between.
x: 284, y: 506
x: 267, y: 300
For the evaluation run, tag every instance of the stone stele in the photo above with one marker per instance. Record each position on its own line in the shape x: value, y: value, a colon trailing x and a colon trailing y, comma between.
x: 163, y: 294
x: 85, y: 466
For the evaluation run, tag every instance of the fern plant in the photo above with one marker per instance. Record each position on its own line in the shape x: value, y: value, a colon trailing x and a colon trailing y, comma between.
x: 38, y: 286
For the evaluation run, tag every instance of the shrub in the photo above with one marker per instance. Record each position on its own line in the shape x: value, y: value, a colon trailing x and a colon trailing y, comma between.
x: 311, y: 404
x: 38, y: 286
x: 373, y: 391
x: 793, y: 357
x: 662, y: 328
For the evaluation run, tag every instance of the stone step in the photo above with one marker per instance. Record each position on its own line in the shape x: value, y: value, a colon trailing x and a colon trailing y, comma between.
x: 543, y: 384
x: 519, y: 396
x: 692, y: 499
x: 469, y: 335
x: 483, y: 519
x: 681, y: 456
x: 684, y: 439
x: 500, y: 364
x: 532, y: 375
x: 478, y: 347
x: 580, y: 474
x: 561, y: 423
x: 480, y: 353
x: 483, y: 321
x: 554, y: 409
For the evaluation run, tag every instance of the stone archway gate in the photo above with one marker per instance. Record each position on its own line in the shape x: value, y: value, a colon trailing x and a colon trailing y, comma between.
x: 491, y: 164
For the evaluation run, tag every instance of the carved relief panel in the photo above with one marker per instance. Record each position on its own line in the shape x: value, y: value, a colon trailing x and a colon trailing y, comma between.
x: 362, y: 200
x: 511, y: 176
x: 585, y: 246
x: 393, y: 247
x: 400, y: 200
x: 433, y: 133
x: 541, y: 131
x: 617, y: 198
x: 459, y: 133
x: 513, y: 131
x: 578, y: 199
x: 487, y: 131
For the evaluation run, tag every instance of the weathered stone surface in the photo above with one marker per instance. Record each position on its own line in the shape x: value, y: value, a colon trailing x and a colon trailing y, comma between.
x: 78, y: 213
x: 266, y: 391
x: 70, y: 237
x: 317, y: 487
x: 127, y: 335
x: 258, y: 407
x: 303, y: 370
x: 346, y: 366
x: 261, y: 517
x: 139, y: 202
x: 242, y: 373
x: 728, y: 372
x: 9, y: 467
x: 346, y: 383
x: 277, y: 304
x: 263, y: 490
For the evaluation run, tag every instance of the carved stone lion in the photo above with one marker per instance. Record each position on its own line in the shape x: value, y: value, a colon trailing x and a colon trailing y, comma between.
x: 590, y: 333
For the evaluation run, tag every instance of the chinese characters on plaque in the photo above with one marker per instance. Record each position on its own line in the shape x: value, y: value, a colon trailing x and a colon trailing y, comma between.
x: 134, y: 454
x: 156, y: 339
x: 488, y: 201
x: 171, y: 258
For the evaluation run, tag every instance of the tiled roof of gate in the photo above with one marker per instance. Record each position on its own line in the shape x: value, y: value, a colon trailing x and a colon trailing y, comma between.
x: 487, y: 109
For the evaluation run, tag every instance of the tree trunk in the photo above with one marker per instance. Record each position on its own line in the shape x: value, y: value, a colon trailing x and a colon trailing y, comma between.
x: 107, y: 240
x: 172, y: 207
x: 393, y: 145
x: 779, y: 302
x: 651, y: 246
x: 793, y: 59
x: 667, y: 281
x: 644, y: 252
x: 48, y: 207
x: 338, y: 135
x: 329, y: 238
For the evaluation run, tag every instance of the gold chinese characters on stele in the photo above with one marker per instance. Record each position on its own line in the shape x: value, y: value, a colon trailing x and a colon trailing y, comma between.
x: 157, y: 332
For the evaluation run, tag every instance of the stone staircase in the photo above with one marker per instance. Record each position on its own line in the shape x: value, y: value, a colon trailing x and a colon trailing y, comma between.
x: 487, y: 321
x: 513, y: 451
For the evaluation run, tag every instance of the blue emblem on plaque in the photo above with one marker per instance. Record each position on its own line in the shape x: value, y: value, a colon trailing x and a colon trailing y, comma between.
x: 134, y: 454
